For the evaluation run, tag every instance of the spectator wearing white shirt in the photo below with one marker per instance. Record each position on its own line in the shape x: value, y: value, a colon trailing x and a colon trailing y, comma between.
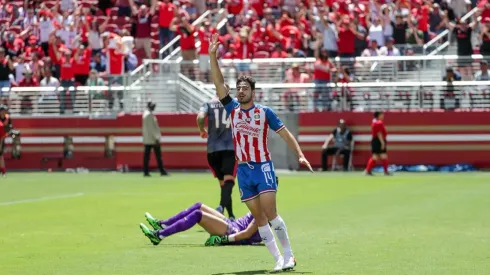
x: 67, y: 5
x: 376, y: 30
x: 46, y: 27
x: 389, y: 49
x: 20, y: 68
x: 48, y: 102
x: 31, y: 21
x: 68, y: 35
x: 483, y: 74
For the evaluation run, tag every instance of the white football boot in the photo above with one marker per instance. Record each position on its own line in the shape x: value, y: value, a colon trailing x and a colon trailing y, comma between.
x: 289, y: 264
x: 279, y: 265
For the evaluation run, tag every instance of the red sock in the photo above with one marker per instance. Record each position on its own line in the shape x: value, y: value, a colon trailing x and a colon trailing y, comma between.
x: 4, y: 170
x: 370, y: 165
x: 385, y: 165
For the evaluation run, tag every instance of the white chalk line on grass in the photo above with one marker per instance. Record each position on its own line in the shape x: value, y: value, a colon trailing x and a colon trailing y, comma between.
x: 66, y: 196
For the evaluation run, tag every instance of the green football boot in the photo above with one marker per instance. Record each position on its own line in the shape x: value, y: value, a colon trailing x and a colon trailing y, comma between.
x: 150, y: 234
x: 153, y: 222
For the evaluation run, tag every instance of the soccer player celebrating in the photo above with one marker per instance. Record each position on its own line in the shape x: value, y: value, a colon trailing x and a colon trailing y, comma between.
x: 250, y: 125
x: 242, y: 231
x: 378, y: 144
x: 221, y: 153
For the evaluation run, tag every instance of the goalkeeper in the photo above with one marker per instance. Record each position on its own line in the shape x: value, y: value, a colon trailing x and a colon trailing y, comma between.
x: 242, y: 231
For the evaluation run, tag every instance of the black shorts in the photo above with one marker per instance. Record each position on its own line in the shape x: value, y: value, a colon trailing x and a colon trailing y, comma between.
x: 222, y: 163
x: 376, y: 147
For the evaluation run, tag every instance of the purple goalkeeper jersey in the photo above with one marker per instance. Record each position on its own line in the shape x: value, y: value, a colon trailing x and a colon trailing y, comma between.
x: 242, y: 223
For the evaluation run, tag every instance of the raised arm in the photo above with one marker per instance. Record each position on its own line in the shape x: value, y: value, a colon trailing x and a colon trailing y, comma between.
x: 216, y: 75
x: 294, y: 146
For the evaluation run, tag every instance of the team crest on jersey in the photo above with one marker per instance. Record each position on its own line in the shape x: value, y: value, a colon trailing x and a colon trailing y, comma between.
x: 257, y: 116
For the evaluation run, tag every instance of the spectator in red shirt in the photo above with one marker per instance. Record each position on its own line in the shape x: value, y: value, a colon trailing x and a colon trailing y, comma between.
x: 26, y: 96
x: 204, y: 33
x: 346, y: 39
x: 234, y: 8
x: 67, y: 77
x: 244, y: 48
x: 258, y: 7
x: 115, y: 66
x: 279, y: 51
x: 166, y: 13
x: 32, y: 47
x: 294, y: 97
x: 36, y: 65
x: 55, y: 45
x: 322, y: 76
x: 186, y: 31
x: 13, y: 45
x: 81, y: 65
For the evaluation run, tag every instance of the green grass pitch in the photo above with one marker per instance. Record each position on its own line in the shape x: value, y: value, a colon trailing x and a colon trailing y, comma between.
x: 69, y: 224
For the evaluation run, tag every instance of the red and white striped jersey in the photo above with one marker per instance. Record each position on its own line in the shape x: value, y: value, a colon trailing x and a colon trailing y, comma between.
x: 250, y: 130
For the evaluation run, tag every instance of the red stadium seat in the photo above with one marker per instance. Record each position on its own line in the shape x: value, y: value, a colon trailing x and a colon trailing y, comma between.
x: 261, y: 54
x: 114, y: 11
x: 15, y: 29
x: 50, y: 4
x: 111, y: 28
x: 119, y: 21
x: 99, y: 13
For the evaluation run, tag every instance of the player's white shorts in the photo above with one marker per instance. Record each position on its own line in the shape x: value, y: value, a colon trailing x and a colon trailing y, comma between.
x: 204, y: 63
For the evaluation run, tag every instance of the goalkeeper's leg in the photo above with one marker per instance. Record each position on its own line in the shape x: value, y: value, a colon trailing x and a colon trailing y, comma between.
x: 212, y: 224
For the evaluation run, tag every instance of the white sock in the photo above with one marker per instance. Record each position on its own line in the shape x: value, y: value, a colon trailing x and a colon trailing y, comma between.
x: 282, y: 234
x: 267, y: 236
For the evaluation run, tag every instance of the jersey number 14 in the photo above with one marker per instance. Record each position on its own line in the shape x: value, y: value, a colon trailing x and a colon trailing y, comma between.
x: 224, y: 119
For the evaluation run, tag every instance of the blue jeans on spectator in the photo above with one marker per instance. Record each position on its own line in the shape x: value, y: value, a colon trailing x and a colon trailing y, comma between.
x: 349, y: 63
x: 116, y: 80
x: 66, y: 84
x: 242, y: 67
x: 321, y: 100
x: 4, y: 84
x: 165, y: 35
x: 426, y: 37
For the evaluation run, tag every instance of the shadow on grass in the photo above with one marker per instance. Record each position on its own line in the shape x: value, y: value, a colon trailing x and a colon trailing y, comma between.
x: 257, y: 272
x: 178, y: 245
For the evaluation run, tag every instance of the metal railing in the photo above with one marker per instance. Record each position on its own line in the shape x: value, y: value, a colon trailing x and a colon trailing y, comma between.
x: 80, y: 101
x: 442, y: 40
x: 401, y: 96
x: 379, y: 68
x: 287, y: 97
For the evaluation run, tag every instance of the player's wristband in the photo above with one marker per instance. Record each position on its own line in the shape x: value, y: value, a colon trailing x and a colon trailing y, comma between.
x: 225, y: 100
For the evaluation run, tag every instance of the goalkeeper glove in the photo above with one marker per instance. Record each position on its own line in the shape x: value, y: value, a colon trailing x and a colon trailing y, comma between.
x: 213, y: 241
x: 224, y: 239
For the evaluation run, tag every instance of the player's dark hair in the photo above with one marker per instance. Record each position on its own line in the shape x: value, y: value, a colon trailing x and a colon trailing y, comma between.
x: 377, y: 114
x: 245, y: 78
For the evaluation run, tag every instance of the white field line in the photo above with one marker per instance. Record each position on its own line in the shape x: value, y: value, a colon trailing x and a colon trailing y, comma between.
x: 66, y: 196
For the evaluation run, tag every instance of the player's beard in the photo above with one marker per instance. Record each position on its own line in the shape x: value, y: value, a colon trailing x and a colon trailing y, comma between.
x: 246, y: 99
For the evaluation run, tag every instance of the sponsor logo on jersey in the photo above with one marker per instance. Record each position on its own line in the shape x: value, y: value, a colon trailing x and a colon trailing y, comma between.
x: 247, y: 129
